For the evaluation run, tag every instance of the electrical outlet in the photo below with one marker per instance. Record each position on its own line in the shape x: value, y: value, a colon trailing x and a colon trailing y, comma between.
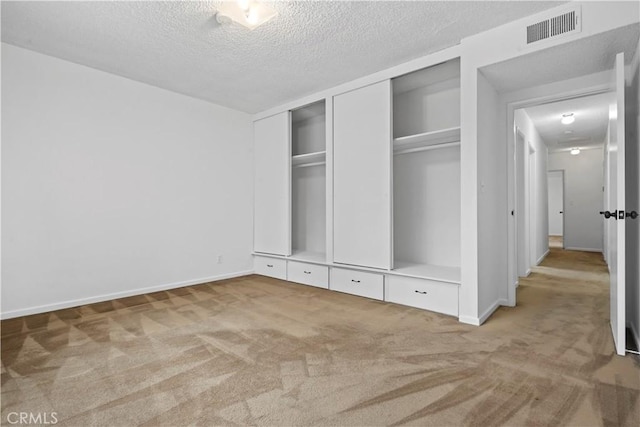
x: 219, y: 259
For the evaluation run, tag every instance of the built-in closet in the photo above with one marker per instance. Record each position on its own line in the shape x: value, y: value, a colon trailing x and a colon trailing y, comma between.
x: 295, y: 141
x: 426, y: 189
x: 385, y: 201
x: 426, y: 172
x: 309, y: 182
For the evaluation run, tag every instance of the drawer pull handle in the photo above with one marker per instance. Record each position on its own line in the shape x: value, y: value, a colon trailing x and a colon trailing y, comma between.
x: 421, y: 292
x: 355, y: 281
x: 269, y: 265
x: 307, y: 272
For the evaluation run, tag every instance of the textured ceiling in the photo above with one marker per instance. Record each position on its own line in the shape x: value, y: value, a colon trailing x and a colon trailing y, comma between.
x: 309, y: 47
x: 588, y: 130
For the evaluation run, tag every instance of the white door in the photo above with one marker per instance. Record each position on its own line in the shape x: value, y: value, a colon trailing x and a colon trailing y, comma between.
x: 362, y: 176
x: 616, y: 208
x: 272, y: 179
x: 556, y: 203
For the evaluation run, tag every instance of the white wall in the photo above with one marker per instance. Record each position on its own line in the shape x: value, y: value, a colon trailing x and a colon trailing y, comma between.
x: 112, y: 187
x: 534, y: 191
x: 583, y: 175
x: 492, y: 209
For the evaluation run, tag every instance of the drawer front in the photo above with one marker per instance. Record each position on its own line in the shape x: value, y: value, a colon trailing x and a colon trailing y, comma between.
x: 271, y: 267
x: 308, y: 274
x: 421, y: 293
x: 370, y: 285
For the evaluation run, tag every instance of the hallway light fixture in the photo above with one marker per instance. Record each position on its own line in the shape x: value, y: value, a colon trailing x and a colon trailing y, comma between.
x: 248, y: 13
x: 575, y: 151
x: 567, y: 119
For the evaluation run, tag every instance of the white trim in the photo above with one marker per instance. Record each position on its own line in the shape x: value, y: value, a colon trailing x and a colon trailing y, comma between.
x: 542, y: 257
x: 107, y: 297
x: 477, y: 321
x: 570, y: 248
x: 469, y: 320
x: 634, y: 332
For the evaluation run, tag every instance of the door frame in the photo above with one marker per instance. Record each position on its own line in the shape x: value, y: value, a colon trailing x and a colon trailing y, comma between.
x: 512, y: 170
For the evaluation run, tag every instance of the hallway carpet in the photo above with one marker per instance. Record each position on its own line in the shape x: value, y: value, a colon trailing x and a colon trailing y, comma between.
x: 259, y: 351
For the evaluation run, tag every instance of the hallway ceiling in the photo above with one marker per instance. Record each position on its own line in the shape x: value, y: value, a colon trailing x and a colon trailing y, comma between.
x: 588, y: 130
x: 308, y: 47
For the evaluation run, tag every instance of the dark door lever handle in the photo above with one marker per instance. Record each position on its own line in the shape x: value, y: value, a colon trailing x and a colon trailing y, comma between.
x: 632, y: 215
x: 608, y: 214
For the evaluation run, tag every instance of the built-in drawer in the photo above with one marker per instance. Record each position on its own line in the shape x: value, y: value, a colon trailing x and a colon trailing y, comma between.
x: 308, y: 274
x: 430, y: 295
x: 370, y: 285
x: 272, y: 267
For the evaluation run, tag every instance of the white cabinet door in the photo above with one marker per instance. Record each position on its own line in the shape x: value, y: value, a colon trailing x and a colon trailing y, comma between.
x: 362, y: 176
x: 272, y: 162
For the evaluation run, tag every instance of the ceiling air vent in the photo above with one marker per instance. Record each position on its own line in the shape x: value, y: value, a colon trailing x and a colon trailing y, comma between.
x: 567, y: 23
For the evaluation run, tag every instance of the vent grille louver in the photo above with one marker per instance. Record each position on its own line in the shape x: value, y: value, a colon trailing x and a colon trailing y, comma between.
x: 553, y: 27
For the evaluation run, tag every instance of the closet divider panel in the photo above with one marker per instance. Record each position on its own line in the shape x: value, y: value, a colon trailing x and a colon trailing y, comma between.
x: 362, y: 156
x: 272, y: 193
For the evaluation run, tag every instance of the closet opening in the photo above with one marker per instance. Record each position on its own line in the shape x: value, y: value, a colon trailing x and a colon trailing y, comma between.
x: 426, y: 172
x: 308, y: 182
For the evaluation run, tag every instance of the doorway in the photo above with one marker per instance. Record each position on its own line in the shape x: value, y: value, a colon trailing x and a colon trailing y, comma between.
x: 555, y: 184
x: 505, y: 87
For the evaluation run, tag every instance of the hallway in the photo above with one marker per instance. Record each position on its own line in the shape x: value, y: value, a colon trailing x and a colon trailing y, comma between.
x: 563, y: 310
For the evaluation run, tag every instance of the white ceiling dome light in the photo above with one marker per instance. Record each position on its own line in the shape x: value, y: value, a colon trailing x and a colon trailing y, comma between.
x: 248, y: 13
x: 568, y: 118
x: 575, y: 151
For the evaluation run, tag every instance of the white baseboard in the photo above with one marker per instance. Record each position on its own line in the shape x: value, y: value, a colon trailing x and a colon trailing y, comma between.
x: 542, y: 257
x: 107, y: 297
x: 477, y: 321
x: 569, y: 248
x: 469, y: 320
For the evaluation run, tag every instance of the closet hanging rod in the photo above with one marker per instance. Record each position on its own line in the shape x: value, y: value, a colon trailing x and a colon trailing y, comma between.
x: 426, y: 147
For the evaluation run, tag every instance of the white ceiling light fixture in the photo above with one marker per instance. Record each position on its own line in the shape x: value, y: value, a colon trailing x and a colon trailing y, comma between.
x: 248, y: 13
x: 575, y: 151
x: 567, y: 119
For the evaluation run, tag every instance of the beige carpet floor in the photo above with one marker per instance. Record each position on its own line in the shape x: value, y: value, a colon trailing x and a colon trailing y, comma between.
x: 259, y: 351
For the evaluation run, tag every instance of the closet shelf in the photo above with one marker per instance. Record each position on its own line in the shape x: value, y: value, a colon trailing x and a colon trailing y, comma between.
x: 427, y: 140
x: 309, y: 159
x: 428, y: 271
x: 315, y: 257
